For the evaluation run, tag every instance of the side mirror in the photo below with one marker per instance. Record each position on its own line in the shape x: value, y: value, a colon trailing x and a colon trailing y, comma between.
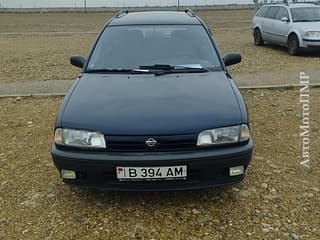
x: 77, y: 61
x: 284, y: 19
x: 231, y: 59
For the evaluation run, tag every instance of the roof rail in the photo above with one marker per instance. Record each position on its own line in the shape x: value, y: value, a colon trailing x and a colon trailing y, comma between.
x: 121, y: 13
x: 303, y: 1
x: 190, y: 12
x: 286, y: 2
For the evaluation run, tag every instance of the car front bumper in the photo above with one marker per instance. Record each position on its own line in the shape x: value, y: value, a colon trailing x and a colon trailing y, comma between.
x: 206, y: 168
x: 310, y: 43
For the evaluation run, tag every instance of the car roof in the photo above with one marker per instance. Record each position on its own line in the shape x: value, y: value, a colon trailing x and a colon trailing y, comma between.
x: 155, y: 18
x: 293, y: 5
x: 302, y: 5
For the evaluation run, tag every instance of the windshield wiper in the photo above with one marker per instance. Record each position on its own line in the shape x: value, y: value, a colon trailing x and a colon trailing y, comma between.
x: 160, y: 69
x: 157, y: 67
x: 117, y: 70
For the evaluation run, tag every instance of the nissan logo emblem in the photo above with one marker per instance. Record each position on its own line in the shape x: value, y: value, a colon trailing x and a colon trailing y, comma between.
x: 151, y: 142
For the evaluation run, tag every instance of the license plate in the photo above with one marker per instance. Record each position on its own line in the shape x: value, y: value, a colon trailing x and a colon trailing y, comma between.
x: 151, y: 173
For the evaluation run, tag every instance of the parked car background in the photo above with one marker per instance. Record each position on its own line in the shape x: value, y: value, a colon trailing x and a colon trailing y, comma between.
x: 294, y: 25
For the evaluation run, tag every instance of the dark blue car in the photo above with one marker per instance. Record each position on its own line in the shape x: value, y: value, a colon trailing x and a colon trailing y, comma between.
x: 154, y: 108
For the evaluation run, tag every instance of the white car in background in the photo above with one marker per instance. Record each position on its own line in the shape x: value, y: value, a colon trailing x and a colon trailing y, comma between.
x: 294, y: 25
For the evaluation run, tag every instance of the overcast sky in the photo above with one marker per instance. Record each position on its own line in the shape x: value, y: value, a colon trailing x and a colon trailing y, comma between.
x: 106, y: 3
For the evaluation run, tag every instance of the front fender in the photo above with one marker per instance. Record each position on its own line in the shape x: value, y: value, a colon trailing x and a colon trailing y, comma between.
x: 294, y: 31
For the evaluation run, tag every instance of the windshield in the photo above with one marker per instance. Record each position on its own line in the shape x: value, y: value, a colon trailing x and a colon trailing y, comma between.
x: 129, y: 47
x: 306, y: 14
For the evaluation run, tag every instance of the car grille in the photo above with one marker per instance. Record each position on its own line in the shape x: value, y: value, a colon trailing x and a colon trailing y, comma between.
x: 138, y: 143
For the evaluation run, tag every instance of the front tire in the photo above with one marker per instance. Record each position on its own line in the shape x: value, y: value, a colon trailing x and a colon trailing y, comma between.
x: 293, y: 45
x: 258, y: 41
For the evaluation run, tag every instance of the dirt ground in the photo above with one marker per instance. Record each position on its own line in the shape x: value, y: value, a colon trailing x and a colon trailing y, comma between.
x: 279, y: 199
x: 45, y: 57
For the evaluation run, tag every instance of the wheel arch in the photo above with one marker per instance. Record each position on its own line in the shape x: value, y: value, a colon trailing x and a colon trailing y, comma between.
x: 293, y: 32
x: 257, y: 27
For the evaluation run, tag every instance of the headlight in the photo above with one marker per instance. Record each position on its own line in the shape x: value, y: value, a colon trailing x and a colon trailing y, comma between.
x: 79, y: 138
x: 225, y: 135
x: 312, y: 34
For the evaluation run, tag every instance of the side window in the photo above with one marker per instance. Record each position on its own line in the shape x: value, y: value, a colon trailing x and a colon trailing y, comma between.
x: 272, y: 12
x: 262, y: 11
x: 282, y: 13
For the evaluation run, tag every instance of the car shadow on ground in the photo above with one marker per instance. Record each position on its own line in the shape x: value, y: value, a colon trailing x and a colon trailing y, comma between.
x: 218, y: 194
x: 312, y: 53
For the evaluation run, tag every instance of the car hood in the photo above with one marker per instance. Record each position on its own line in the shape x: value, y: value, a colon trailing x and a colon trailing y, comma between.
x: 117, y: 104
x: 308, y: 26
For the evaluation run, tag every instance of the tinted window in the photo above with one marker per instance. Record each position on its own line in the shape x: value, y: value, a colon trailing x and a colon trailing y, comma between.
x: 128, y: 47
x: 272, y: 12
x: 282, y: 13
x: 308, y: 14
x: 262, y: 11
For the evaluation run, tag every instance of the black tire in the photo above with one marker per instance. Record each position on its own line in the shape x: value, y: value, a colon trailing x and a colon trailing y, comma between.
x: 293, y: 45
x: 258, y: 41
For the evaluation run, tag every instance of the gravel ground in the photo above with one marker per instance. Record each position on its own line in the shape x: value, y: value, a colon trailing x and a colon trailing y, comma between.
x: 279, y: 199
x: 46, y: 57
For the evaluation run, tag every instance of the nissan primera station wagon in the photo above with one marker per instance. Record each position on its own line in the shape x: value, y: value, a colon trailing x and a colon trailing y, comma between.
x: 294, y: 25
x: 153, y: 109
